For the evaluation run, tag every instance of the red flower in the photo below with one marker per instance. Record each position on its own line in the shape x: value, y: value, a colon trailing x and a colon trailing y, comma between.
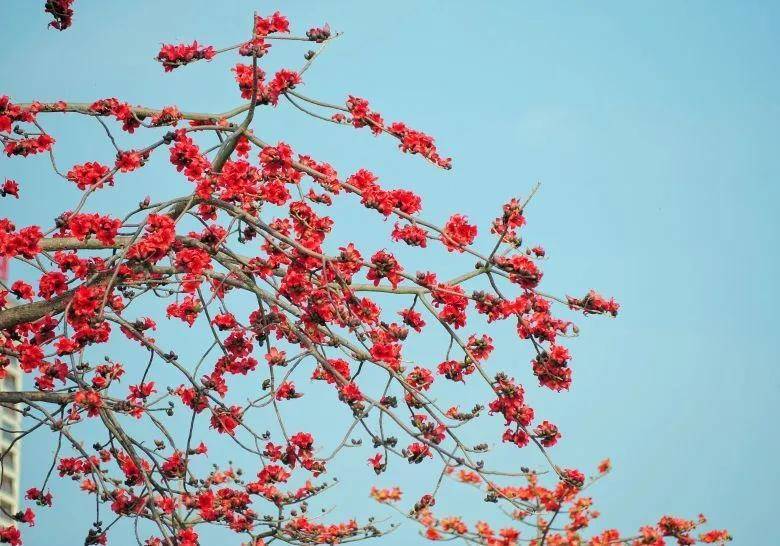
x: 173, y: 56
x: 9, y: 187
x: 480, y: 348
x: 35, y: 494
x: 141, y: 391
x: 412, y: 318
x: 417, y: 142
x: 552, y: 368
x: 104, y: 228
x: 286, y: 391
x: 28, y: 146
x: 604, y: 466
x: 10, y: 535
x: 458, y: 233
x: 224, y: 321
x: 282, y: 81
x: 155, y: 244
x: 522, y: 270
x: 340, y: 366
x: 362, y: 115
x: 90, y: 400
x: 22, y: 290
x: 573, y: 477
x: 193, y: 260
x: 188, y: 310
x: 350, y: 393
x: 28, y: 517
x: 30, y: 356
x: 169, y: 115
x: 129, y: 161
x: 711, y: 537
x: 61, y: 11
x: 411, y: 234
x: 455, y: 370
x: 52, y: 283
x: 186, y: 156
x: 225, y: 420
x: 276, y: 160
x: 594, y: 303
x: 547, y: 434
x: 417, y: 452
x: 275, y: 357
x: 388, y: 353
x: 406, y: 201
x: 120, y: 110
x: 420, y: 378
x: 376, y: 463
x: 24, y: 242
x: 385, y: 267
x: 90, y: 175
x: 248, y: 77
x: 66, y: 346
x: 187, y: 537
x: 273, y: 23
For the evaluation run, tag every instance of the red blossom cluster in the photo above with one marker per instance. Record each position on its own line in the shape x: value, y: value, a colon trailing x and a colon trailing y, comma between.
x: 411, y: 140
x: 263, y: 26
x: 169, y: 115
x: 11, y: 113
x: 276, y: 22
x: 186, y: 156
x: 458, y: 233
x: 10, y: 535
x: 121, y: 111
x: 84, y: 225
x: 9, y: 187
x: 155, y: 243
x: 173, y: 56
x: 90, y: 175
x: 61, y: 11
x: 594, y: 303
x: 252, y: 81
x: 23, y: 242
x: 129, y: 161
x: 542, y: 509
x: 28, y: 146
x: 245, y: 259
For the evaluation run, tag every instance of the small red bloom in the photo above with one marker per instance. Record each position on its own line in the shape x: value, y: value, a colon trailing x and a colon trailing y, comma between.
x: 547, y: 434
x: 225, y: 420
x: 458, y: 233
x: 385, y: 267
x: 9, y: 187
x: 22, y: 290
x: 376, y: 463
x: 417, y: 452
x: 90, y: 175
x: 412, y: 318
x: 173, y: 56
x: 286, y: 391
x: 90, y: 400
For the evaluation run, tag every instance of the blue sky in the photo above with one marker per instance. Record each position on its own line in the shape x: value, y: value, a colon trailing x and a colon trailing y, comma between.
x: 653, y: 130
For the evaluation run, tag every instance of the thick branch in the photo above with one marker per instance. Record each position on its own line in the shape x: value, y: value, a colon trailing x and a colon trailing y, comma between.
x: 17, y: 397
x: 31, y: 312
x: 140, y: 111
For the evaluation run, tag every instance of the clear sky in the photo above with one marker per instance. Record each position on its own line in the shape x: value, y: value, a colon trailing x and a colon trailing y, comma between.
x: 653, y: 128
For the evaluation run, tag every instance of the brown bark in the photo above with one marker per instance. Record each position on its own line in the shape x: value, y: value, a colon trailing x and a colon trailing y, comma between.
x: 17, y: 397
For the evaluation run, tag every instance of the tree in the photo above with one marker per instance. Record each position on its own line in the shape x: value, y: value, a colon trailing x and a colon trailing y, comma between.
x: 253, y: 225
